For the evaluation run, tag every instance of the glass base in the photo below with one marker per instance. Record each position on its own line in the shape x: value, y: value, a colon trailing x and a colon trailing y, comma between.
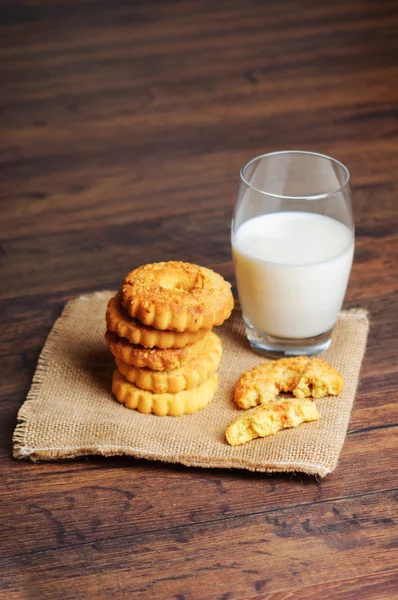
x: 275, y: 347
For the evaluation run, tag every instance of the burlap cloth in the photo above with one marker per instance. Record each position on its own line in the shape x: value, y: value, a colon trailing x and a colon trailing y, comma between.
x: 70, y: 412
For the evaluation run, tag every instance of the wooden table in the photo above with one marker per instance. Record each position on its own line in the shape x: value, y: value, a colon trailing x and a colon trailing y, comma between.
x: 123, y: 127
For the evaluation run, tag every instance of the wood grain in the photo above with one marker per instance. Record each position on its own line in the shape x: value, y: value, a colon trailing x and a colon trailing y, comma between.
x: 382, y: 586
x: 123, y: 128
x: 241, y: 555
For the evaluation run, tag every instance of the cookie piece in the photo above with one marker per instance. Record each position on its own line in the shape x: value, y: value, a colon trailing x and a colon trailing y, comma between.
x: 304, y: 376
x: 159, y: 359
x: 270, y: 418
x: 183, y: 403
x: 189, y: 376
x: 118, y: 321
x: 178, y: 296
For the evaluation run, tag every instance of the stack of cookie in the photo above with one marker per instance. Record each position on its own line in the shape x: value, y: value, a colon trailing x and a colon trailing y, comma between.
x: 159, y: 331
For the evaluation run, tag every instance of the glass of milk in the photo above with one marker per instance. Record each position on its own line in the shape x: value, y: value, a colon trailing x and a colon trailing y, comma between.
x: 292, y: 245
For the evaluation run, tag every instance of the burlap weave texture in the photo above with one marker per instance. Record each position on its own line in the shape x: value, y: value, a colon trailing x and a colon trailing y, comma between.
x: 70, y: 412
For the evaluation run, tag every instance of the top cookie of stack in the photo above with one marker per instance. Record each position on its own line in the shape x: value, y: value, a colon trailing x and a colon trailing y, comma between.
x: 159, y: 331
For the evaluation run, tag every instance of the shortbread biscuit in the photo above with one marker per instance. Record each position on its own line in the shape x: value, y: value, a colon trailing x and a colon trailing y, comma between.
x: 305, y: 377
x: 183, y: 403
x: 118, y: 321
x: 189, y: 376
x: 178, y: 296
x: 158, y: 359
x: 270, y: 418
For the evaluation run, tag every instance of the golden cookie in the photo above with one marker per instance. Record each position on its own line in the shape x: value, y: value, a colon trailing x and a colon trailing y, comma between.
x: 118, y: 321
x: 177, y: 295
x: 159, y: 359
x: 183, y: 403
x: 189, y: 376
x: 301, y: 375
x: 270, y: 418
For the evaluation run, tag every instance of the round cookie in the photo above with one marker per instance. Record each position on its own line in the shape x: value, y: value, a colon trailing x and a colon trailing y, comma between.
x: 183, y: 403
x: 178, y: 296
x: 118, y: 321
x: 157, y: 359
x: 188, y: 376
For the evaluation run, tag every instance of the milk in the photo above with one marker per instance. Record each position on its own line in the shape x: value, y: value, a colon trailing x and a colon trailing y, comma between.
x: 292, y: 271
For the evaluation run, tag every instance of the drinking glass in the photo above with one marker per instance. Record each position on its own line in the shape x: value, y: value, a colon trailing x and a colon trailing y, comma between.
x: 292, y: 244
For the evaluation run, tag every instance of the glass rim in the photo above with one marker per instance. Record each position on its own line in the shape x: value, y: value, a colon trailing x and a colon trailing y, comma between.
x: 306, y: 197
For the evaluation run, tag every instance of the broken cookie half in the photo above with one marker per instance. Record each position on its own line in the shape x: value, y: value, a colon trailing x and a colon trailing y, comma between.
x: 304, y: 377
x: 269, y: 418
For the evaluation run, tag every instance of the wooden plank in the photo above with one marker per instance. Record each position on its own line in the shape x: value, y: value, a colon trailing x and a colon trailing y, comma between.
x: 295, y: 547
x: 32, y: 265
x: 79, y: 198
x: 125, y: 497
x: 101, y: 258
x: 381, y: 586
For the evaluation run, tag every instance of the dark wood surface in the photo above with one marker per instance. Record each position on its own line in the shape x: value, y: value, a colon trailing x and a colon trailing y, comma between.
x: 123, y: 128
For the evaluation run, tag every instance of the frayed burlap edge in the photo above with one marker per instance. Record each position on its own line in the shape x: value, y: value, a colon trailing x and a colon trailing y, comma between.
x: 20, y: 450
